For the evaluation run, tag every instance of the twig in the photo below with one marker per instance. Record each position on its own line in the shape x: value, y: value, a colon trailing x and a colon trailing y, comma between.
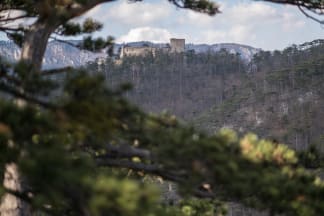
x: 14, y: 18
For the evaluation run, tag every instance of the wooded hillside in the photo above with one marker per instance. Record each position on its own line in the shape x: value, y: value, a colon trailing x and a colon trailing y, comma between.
x: 278, y: 95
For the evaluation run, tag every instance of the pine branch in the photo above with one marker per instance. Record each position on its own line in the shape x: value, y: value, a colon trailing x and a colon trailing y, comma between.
x: 66, y: 42
x: 56, y: 71
x: 202, y: 6
x: 314, y: 6
x: 154, y: 170
x: 127, y: 151
x: 14, y: 92
x: 11, y: 79
x: 147, y: 168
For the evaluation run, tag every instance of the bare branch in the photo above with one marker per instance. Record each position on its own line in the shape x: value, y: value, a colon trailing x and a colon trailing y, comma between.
x: 10, y: 19
x: 311, y: 17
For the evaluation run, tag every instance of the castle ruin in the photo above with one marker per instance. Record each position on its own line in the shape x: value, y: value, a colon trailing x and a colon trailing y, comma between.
x: 136, y: 51
x: 175, y: 46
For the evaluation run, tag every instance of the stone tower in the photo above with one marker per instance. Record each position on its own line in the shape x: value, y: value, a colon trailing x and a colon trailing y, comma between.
x: 177, y: 45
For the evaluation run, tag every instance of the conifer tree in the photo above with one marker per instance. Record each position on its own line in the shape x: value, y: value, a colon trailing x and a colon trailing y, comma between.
x: 66, y: 148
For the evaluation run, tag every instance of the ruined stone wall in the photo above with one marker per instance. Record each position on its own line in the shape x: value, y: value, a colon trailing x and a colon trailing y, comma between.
x: 138, y: 51
x: 177, y: 45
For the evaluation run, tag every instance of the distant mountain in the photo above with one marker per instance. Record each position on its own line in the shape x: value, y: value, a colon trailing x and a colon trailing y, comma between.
x: 246, y: 52
x: 57, y: 54
x: 62, y: 55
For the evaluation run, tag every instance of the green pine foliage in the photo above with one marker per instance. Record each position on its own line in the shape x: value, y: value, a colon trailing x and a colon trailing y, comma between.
x: 82, y: 148
x: 59, y: 143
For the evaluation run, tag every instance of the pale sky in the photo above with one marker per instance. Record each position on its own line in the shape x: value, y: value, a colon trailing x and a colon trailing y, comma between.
x: 256, y: 23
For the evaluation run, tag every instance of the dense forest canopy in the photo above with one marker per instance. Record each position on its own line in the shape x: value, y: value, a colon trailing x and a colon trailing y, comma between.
x: 66, y: 148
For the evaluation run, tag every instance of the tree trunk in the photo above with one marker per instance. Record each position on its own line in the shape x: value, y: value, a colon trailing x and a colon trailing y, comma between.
x: 10, y: 204
x: 32, y: 52
x: 35, y: 43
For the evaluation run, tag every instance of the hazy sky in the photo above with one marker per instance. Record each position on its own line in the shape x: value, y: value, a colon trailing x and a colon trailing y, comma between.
x: 256, y: 23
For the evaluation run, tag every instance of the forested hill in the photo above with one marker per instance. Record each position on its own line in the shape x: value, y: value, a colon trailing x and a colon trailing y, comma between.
x: 279, y: 95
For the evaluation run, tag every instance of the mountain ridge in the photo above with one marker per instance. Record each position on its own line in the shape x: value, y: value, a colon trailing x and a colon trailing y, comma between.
x: 57, y: 54
x: 62, y: 55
